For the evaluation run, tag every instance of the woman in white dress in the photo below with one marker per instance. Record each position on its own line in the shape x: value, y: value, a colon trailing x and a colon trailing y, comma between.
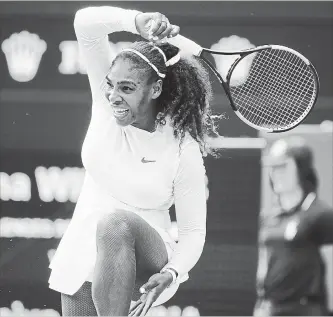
x: 142, y: 153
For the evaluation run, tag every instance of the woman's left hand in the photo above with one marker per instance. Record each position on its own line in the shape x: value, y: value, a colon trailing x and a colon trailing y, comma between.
x: 151, y: 291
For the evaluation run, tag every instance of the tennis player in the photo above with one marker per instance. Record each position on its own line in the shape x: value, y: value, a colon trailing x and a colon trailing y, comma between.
x: 142, y: 153
x: 291, y: 271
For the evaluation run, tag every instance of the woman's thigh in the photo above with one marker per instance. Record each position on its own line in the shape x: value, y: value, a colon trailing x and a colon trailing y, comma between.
x: 79, y: 304
x: 150, y: 251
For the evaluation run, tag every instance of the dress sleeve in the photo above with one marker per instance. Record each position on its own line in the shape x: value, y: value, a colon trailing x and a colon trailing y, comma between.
x: 191, y: 209
x: 92, y: 26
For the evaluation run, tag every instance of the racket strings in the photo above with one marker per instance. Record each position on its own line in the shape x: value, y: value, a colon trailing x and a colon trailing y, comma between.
x: 278, y: 91
x: 253, y: 109
x: 286, y: 116
x: 281, y: 90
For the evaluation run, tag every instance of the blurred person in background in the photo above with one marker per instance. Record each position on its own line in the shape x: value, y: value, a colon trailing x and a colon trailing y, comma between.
x: 142, y: 153
x: 291, y: 271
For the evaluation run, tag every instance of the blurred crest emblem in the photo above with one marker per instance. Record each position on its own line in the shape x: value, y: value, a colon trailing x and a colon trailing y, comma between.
x: 72, y: 61
x: 23, y: 53
x: 224, y: 62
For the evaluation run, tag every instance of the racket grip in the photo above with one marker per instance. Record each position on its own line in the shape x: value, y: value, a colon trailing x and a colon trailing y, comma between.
x: 186, y: 45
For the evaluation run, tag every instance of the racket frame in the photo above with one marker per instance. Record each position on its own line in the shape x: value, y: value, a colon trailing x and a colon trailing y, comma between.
x: 243, y: 53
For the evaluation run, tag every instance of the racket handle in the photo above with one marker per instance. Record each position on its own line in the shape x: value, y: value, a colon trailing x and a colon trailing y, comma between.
x: 186, y: 45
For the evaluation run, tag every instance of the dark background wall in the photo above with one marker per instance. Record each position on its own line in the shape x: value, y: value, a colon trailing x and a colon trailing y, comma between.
x: 43, y: 123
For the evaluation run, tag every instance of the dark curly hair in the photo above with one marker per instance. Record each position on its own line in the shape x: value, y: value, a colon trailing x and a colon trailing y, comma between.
x: 186, y: 92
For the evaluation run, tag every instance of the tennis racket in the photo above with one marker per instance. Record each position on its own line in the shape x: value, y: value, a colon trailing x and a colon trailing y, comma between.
x: 277, y: 89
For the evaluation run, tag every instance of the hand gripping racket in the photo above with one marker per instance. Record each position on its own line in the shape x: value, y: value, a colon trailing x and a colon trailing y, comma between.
x: 271, y: 87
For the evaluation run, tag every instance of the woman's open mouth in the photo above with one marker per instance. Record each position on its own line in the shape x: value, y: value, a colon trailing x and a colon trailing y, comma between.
x: 120, y: 113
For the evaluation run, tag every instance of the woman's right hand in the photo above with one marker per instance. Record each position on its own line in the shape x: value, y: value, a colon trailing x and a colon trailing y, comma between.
x: 155, y: 27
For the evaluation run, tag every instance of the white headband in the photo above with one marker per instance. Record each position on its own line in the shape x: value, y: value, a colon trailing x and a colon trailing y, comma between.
x: 146, y: 60
x: 173, y: 60
x: 170, y: 62
x: 162, y: 53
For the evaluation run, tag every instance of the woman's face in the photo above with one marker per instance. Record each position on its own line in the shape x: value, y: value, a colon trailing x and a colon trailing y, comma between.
x: 130, y: 95
x: 284, y: 177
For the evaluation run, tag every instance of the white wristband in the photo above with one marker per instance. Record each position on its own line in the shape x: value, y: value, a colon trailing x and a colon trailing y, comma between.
x: 172, y: 272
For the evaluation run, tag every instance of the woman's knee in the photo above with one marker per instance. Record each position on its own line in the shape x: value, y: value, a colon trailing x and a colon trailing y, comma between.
x: 115, y: 225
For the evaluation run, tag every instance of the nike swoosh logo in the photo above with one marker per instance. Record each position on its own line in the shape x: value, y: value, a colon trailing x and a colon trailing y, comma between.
x: 146, y: 161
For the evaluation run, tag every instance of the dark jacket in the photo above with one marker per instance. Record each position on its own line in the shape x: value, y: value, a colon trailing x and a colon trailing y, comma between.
x: 290, y: 244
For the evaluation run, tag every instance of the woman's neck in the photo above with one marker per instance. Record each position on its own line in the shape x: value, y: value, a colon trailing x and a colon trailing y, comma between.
x: 148, y: 121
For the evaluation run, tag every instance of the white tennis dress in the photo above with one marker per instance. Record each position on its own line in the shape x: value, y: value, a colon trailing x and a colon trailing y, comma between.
x: 117, y: 177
